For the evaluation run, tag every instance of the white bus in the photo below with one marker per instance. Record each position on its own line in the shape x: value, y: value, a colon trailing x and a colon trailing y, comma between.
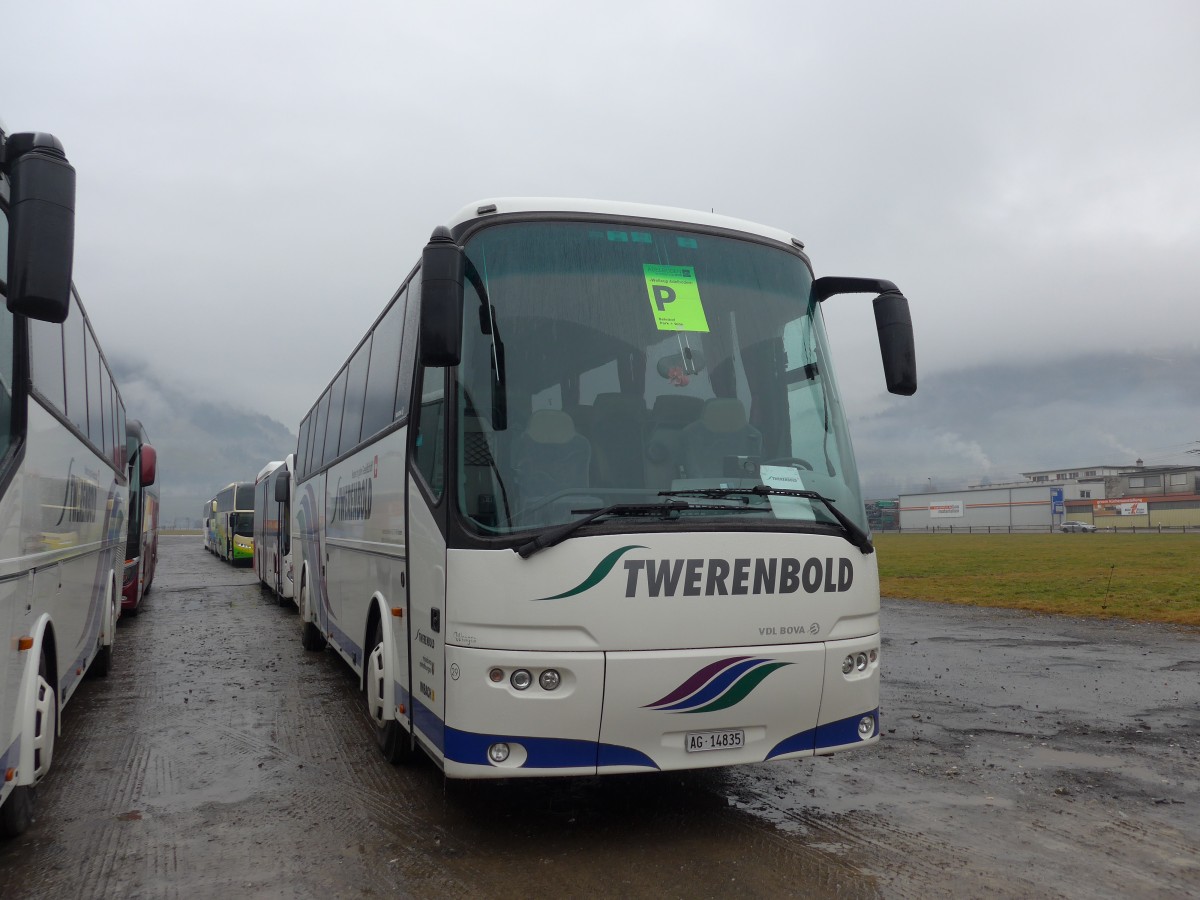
x: 210, y: 525
x: 583, y: 499
x: 273, y: 528
x: 63, y: 488
x: 233, y: 516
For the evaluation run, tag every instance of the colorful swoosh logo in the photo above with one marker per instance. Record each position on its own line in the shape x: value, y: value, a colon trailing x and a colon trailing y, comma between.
x: 598, y: 574
x: 718, y: 685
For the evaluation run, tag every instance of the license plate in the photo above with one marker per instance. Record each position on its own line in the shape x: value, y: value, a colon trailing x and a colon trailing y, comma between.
x: 697, y: 741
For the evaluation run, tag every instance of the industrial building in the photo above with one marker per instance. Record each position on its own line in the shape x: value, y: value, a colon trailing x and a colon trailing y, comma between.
x: 1123, y: 497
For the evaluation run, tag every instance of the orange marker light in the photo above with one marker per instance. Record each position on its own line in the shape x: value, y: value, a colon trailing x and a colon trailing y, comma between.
x: 398, y: 612
x: 10, y: 774
x: 25, y: 643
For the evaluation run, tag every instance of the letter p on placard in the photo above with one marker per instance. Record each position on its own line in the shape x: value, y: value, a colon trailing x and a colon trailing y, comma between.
x: 675, y: 298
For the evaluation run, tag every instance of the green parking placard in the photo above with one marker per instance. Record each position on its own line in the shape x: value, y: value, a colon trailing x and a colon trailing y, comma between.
x: 675, y: 298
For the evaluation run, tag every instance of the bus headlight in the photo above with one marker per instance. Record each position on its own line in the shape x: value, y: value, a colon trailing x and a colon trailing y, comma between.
x: 860, y: 662
x: 866, y: 727
x: 520, y: 679
x: 847, y: 665
x: 498, y: 753
x: 549, y: 679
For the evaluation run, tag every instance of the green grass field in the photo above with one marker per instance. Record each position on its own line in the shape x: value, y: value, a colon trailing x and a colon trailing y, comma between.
x: 1145, y: 577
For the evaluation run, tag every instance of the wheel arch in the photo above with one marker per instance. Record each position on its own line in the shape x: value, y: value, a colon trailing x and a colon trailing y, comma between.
x: 44, y: 643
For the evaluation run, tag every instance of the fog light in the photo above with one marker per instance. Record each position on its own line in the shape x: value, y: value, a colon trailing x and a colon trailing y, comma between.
x: 860, y: 662
x: 498, y: 753
x: 847, y: 665
x: 496, y: 675
x: 549, y: 679
x: 866, y: 727
x: 520, y: 679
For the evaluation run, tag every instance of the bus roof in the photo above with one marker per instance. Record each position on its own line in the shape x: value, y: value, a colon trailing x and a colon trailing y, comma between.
x: 268, y: 469
x: 504, y: 205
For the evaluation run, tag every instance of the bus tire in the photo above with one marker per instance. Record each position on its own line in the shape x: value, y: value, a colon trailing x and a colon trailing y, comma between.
x: 310, y: 635
x: 102, y: 664
x: 390, y: 736
x: 17, y: 812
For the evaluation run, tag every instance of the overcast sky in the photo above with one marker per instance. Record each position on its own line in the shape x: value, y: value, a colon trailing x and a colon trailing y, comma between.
x: 255, y: 179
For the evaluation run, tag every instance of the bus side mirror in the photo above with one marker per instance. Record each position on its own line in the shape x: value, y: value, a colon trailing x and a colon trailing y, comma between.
x: 442, y: 266
x: 41, y: 240
x: 282, y: 483
x: 894, y: 325
x: 148, y: 457
x: 892, y: 322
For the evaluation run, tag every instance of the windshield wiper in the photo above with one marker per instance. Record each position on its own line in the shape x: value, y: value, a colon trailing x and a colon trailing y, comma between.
x: 854, y: 534
x: 667, y: 509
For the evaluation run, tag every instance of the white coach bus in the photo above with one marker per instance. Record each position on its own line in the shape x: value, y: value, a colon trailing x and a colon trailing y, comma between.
x: 273, y: 528
x: 63, y: 488
x: 583, y: 499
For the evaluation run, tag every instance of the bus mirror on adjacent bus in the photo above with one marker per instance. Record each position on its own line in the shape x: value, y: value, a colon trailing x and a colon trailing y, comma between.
x: 41, y: 226
x: 892, y: 322
x: 442, y: 267
x: 148, y: 461
x: 282, y: 483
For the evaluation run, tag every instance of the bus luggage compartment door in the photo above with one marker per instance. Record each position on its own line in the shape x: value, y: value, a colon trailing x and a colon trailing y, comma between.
x: 686, y: 709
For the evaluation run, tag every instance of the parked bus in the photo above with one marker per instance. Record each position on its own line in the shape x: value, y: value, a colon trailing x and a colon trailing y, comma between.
x: 273, y: 528
x: 63, y: 489
x: 583, y: 499
x: 210, y: 525
x: 234, y: 512
x: 141, y: 541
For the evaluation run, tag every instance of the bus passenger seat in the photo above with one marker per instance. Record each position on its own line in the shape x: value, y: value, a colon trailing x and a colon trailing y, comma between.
x: 721, y: 432
x: 671, y: 414
x: 548, y: 457
x: 618, y: 434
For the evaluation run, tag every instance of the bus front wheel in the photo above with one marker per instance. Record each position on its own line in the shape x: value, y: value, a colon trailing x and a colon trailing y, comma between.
x: 390, y: 735
x: 16, y: 814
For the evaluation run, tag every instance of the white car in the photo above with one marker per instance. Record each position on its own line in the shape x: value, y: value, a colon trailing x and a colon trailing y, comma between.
x: 1077, y: 526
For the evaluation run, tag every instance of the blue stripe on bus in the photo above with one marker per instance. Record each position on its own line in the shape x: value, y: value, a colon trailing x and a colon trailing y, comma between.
x: 832, y: 734
x: 542, y: 753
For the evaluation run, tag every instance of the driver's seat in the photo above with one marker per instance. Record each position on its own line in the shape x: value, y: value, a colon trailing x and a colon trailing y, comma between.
x: 722, y: 431
x: 549, y: 456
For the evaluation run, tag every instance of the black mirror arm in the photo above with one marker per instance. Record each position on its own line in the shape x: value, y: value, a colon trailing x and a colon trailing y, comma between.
x: 826, y: 287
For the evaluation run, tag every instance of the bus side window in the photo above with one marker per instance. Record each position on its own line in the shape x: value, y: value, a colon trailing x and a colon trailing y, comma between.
x: 95, y: 426
x: 380, y: 401
x: 46, y: 362
x: 333, y: 431
x: 74, y: 359
x: 356, y: 389
x: 301, y: 449
x: 430, y: 431
x: 408, y: 351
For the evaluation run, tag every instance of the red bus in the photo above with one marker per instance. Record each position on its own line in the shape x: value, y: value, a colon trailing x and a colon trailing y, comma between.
x: 141, y: 543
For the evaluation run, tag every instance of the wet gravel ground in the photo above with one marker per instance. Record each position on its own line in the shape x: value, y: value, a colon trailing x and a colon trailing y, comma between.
x: 1024, y: 756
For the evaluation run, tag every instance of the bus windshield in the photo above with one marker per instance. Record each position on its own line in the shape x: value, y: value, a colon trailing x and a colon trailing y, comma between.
x: 242, y: 524
x: 604, y: 363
